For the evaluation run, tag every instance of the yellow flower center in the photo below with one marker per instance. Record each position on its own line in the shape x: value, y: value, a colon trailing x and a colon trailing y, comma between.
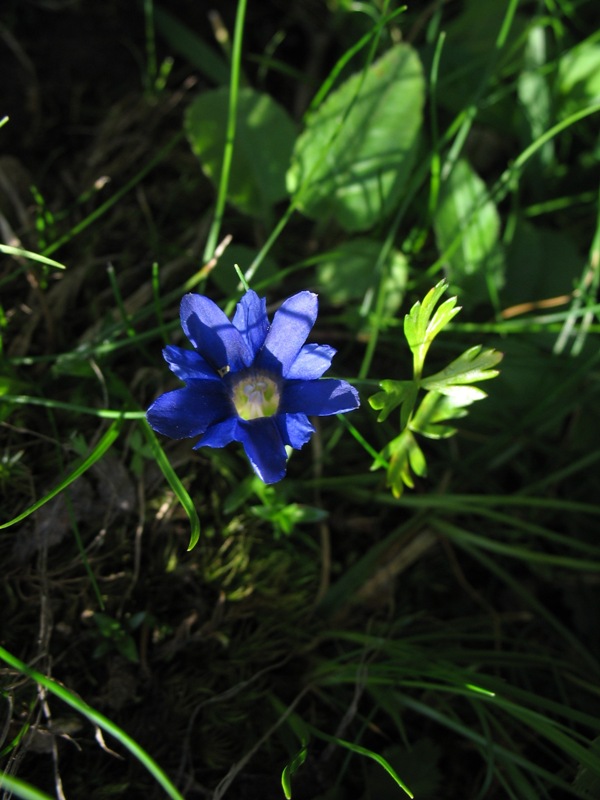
x: 255, y: 395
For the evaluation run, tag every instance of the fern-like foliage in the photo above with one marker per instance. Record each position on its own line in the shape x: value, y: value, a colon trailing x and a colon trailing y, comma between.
x: 448, y: 393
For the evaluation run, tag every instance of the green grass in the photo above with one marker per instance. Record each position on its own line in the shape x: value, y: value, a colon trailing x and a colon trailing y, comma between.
x: 330, y: 635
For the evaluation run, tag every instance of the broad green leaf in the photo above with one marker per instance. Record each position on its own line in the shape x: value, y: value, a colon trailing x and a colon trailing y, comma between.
x: 347, y: 274
x: 419, y: 327
x: 579, y: 78
x: 475, y: 364
x: 467, y: 230
x: 353, y: 160
x: 264, y: 140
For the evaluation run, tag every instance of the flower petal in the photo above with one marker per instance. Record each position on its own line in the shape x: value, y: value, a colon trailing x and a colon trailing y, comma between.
x: 251, y: 320
x: 292, y: 323
x: 264, y: 447
x: 191, y: 410
x: 261, y: 439
x: 188, y: 364
x: 221, y: 433
x: 213, y: 335
x: 295, y: 429
x: 319, y: 398
x: 312, y: 361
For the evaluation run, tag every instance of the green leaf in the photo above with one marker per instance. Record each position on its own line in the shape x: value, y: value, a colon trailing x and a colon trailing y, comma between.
x: 419, y: 327
x: 21, y: 789
x: 264, y: 141
x: 353, y: 160
x: 101, y: 447
x: 437, y: 408
x: 394, y: 394
x: 96, y: 718
x: 285, y: 517
x: 290, y: 769
x: 19, y: 252
x: 475, y: 364
x: 185, y: 42
x: 363, y: 751
x: 405, y: 458
x: 579, y: 79
x: 467, y: 230
x: 174, y: 482
x: 347, y: 274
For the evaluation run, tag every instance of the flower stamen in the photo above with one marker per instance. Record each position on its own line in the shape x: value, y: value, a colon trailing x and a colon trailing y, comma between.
x: 255, y: 395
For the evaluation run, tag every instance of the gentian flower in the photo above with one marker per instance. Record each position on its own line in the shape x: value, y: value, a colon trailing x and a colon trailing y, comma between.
x: 249, y: 380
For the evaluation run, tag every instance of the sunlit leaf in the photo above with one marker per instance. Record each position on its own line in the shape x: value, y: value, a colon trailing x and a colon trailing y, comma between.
x: 467, y: 229
x: 289, y: 770
x: 347, y: 274
x: 354, y: 158
x: 405, y: 458
x: 437, y: 408
x: 263, y: 145
x: 579, y: 78
x: 475, y: 364
x: 394, y: 394
x: 420, y: 329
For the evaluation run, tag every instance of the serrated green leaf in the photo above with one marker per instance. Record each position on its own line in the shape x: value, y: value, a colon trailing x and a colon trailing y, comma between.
x: 405, y: 457
x: 353, y: 160
x: 463, y: 395
x: 394, y: 394
x: 420, y: 329
x: 467, y: 230
x: 264, y: 141
x: 475, y: 364
x: 437, y: 408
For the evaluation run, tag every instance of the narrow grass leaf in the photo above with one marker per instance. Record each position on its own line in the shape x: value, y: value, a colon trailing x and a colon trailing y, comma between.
x: 21, y: 789
x: 105, y: 442
x: 96, y: 718
x: 175, y: 484
x: 18, y: 251
x: 363, y: 751
x: 290, y: 769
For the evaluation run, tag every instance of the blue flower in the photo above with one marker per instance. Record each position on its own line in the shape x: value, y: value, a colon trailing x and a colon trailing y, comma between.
x: 249, y: 380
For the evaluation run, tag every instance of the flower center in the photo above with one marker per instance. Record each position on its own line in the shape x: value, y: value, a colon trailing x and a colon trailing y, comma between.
x: 255, y: 395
